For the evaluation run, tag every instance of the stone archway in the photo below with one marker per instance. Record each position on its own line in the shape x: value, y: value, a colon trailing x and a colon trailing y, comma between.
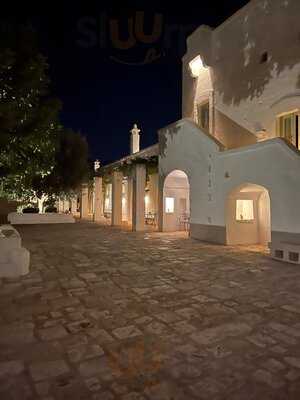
x: 248, y: 215
x: 176, y: 202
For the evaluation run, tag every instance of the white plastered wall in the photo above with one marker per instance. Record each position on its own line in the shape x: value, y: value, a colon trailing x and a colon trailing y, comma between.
x: 183, y: 148
x: 247, y: 91
x: 213, y: 174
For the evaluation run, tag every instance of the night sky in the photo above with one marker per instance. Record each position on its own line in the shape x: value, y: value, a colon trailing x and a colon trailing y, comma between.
x: 105, y: 89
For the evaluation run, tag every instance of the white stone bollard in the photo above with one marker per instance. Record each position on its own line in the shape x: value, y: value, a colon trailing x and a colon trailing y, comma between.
x: 14, y: 259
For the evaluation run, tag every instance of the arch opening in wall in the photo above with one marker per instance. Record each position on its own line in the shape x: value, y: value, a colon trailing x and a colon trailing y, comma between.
x: 248, y: 215
x: 176, y: 202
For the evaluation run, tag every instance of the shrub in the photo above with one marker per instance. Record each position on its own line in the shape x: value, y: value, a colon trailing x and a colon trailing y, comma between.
x: 30, y: 210
x: 51, y: 209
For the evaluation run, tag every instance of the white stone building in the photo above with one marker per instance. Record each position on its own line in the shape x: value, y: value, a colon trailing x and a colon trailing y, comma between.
x: 126, y: 191
x: 229, y: 170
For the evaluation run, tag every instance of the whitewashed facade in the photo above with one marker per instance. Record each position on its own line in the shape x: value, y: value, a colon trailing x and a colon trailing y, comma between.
x: 229, y: 170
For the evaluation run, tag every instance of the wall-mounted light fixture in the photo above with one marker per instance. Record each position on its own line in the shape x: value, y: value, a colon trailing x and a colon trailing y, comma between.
x: 196, y: 65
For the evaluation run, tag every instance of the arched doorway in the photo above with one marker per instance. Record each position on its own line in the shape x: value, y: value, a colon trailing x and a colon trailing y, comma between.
x: 248, y: 215
x: 176, y: 202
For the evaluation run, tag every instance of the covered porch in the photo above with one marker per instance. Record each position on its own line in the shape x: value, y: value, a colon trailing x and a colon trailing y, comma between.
x: 124, y: 193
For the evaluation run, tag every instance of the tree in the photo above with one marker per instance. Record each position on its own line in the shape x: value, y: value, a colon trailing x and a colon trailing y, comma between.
x: 70, y: 166
x: 33, y: 144
x: 28, y: 116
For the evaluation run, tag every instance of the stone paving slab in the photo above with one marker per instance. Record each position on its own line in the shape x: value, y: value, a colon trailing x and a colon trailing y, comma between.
x: 107, y: 314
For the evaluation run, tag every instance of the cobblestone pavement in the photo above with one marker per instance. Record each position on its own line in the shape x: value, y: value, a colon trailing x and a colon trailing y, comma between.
x: 106, y: 315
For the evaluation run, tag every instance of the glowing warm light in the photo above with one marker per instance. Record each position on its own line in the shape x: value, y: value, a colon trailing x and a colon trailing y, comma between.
x: 195, y: 66
x: 123, y: 201
x: 169, y: 205
x: 244, y: 210
x: 146, y: 200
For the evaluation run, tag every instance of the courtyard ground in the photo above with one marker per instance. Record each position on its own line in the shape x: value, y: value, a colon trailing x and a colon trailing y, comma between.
x: 106, y: 314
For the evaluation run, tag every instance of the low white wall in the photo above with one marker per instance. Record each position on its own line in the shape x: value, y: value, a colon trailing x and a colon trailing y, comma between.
x: 14, y: 259
x: 48, y: 218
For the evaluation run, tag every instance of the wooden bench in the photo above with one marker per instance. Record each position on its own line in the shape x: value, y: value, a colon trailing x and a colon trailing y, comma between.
x: 285, y: 251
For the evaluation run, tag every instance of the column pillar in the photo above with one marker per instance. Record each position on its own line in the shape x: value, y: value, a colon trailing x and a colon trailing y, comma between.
x: 153, y: 192
x: 124, y: 201
x: 129, y: 200
x: 160, y: 205
x: 138, y: 198
x: 84, y: 201
x: 98, y: 199
x: 91, y: 200
x: 74, y: 205
x: 117, y: 180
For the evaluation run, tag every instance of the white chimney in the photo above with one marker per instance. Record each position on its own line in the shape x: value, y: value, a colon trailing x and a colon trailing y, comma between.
x: 97, y: 165
x: 135, y: 139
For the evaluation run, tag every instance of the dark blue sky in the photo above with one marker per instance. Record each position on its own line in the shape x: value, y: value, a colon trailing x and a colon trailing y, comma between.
x: 103, y: 97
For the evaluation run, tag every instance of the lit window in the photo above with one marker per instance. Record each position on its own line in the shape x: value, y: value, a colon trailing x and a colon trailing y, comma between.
x: 169, y: 205
x: 244, y: 210
x: 195, y: 66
